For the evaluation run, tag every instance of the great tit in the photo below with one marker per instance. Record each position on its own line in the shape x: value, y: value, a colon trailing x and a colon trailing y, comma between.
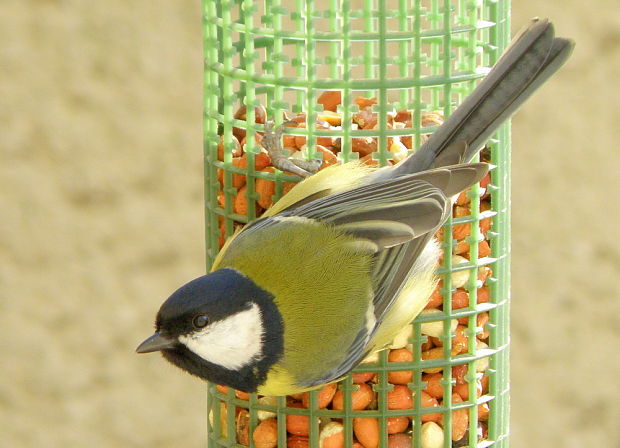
x: 346, y: 259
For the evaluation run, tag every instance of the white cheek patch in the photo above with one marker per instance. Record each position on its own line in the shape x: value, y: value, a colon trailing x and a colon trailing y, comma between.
x: 233, y: 342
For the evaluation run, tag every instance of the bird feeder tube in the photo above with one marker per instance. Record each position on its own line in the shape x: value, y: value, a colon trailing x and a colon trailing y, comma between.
x: 365, y: 79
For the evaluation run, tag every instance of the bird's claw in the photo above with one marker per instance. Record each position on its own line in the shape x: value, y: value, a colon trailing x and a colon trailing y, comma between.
x: 272, y: 142
x: 301, y: 167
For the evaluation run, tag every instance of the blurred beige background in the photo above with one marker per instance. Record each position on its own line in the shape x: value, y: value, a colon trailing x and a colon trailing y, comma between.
x: 101, y: 218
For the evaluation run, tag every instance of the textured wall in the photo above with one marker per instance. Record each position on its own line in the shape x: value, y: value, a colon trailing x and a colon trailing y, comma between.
x: 100, y: 136
x: 566, y: 299
x: 100, y: 105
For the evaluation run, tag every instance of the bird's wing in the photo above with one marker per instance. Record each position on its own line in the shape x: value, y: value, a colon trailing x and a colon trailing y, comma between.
x: 395, y: 211
x: 394, y: 220
x: 385, y: 214
x: 396, y: 265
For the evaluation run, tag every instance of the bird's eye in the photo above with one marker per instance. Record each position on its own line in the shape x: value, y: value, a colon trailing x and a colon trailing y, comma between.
x: 201, y: 321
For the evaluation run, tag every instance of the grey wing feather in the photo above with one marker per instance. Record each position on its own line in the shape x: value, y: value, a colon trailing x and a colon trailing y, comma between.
x: 408, y: 201
x: 421, y: 215
x: 451, y: 180
x: 382, y: 233
x: 394, y: 269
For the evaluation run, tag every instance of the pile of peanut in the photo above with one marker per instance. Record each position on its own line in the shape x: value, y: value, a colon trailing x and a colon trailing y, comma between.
x: 328, y: 147
x: 366, y: 430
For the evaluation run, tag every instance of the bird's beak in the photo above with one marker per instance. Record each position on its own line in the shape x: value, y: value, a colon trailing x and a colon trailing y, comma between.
x: 156, y: 342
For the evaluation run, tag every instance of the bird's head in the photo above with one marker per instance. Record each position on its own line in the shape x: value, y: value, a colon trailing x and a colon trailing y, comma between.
x: 221, y: 327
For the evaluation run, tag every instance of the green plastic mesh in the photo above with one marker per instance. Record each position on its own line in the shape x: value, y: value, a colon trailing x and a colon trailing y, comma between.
x: 415, y: 57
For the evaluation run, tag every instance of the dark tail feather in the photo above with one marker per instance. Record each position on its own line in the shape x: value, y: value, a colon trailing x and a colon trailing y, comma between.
x: 532, y: 58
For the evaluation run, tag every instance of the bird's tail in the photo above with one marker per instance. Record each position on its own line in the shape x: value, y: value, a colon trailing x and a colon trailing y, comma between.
x: 533, y: 57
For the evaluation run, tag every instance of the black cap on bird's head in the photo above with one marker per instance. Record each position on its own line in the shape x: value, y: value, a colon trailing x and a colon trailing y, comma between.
x: 220, y: 327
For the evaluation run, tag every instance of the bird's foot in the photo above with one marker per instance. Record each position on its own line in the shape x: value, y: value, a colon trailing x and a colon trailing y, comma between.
x: 272, y: 142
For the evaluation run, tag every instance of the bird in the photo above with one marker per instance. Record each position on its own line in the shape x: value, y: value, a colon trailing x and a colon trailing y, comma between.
x: 346, y: 259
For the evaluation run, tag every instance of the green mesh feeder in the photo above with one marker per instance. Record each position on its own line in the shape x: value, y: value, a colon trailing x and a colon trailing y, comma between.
x: 418, y: 59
